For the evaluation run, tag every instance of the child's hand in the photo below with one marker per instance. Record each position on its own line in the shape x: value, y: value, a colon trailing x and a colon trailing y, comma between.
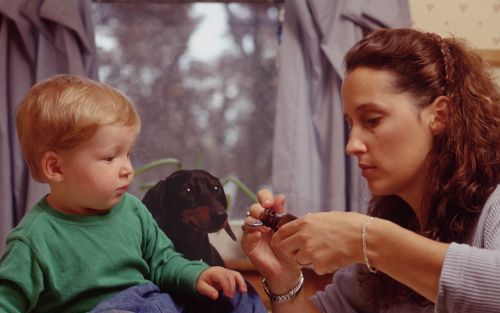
x: 215, y: 278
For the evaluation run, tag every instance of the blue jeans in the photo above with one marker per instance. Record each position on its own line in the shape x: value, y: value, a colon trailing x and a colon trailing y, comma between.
x: 149, y: 299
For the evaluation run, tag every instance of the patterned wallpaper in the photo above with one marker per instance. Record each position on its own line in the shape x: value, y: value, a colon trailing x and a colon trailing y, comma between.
x: 476, y: 20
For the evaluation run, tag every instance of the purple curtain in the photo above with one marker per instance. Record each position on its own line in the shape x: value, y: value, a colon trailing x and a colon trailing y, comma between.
x: 38, y: 39
x: 309, y: 162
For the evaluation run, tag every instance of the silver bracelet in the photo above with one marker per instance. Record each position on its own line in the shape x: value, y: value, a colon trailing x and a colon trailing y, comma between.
x: 365, y: 248
x: 290, y: 295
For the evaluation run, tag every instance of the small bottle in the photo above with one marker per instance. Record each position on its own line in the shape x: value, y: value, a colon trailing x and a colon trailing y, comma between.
x: 275, y: 220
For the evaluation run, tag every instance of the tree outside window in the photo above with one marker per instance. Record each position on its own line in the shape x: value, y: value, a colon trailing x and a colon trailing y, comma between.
x: 203, y: 78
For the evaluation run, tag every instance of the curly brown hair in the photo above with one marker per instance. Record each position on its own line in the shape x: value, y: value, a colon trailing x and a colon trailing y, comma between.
x: 464, y: 160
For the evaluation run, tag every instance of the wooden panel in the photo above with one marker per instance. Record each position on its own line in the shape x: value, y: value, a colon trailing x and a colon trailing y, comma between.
x: 491, y: 56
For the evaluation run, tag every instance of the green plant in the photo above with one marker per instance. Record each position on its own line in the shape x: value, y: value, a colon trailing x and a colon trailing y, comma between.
x: 154, y: 164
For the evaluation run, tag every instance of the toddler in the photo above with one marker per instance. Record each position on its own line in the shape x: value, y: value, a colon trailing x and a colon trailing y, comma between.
x: 88, y: 244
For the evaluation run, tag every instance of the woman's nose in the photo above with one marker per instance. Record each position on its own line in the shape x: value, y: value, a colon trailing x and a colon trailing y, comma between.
x: 355, y: 145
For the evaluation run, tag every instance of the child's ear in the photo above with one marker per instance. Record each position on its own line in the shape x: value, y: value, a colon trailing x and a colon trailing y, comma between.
x: 439, y: 114
x: 51, y: 166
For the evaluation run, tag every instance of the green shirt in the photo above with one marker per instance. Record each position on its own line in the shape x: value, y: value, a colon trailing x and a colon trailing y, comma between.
x: 56, y: 262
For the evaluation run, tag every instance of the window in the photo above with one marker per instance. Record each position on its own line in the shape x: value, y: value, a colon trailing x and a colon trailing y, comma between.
x: 204, y: 80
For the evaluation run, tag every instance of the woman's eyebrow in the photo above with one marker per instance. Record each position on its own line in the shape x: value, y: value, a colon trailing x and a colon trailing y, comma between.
x: 367, y: 106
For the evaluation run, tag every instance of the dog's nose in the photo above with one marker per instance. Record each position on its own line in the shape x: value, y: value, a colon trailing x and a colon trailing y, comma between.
x: 219, y: 217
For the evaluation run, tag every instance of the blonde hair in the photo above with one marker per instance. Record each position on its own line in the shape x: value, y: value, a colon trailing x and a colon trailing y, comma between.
x: 64, y: 111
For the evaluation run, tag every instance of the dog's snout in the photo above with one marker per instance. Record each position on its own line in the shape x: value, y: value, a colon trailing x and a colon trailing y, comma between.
x: 219, y: 217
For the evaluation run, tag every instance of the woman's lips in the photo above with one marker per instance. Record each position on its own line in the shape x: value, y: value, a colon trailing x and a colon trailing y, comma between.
x: 367, y: 170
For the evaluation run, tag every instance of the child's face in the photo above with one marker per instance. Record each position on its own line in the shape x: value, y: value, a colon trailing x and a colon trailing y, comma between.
x: 96, y: 173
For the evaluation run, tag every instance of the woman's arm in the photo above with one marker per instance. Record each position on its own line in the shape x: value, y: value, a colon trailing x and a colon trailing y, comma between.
x: 282, y: 285
x: 470, y: 278
x: 332, y: 240
x: 456, y: 277
x: 407, y: 257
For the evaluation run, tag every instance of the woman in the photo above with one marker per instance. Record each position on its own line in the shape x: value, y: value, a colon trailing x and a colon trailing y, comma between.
x: 424, y: 123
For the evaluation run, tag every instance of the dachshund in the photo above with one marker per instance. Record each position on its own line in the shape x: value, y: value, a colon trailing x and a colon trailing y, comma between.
x: 188, y: 205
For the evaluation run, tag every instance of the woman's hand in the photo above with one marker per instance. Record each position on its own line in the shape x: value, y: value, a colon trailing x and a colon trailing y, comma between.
x: 326, y: 240
x: 280, y: 271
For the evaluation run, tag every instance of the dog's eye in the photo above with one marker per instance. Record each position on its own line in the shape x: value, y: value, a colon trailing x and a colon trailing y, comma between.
x: 216, y: 188
x: 187, y: 189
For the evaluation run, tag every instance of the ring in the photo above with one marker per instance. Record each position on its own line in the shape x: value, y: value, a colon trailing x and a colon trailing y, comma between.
x: 255, y: 223
x: 252, y: 224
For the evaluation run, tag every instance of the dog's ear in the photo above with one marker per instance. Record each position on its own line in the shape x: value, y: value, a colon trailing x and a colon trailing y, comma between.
x: 152, y: 199
x: 156, y: 200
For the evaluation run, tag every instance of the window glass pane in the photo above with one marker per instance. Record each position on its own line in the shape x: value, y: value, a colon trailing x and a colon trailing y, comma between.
x: 204, y: 78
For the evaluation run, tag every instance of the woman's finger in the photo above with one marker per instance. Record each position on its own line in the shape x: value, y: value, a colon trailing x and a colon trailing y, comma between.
x: 255, y: 210
x: 266, y: 198
x: 279, y: 204
x: 302, y: 258
x: 252, y: 236
x: 289, y: 229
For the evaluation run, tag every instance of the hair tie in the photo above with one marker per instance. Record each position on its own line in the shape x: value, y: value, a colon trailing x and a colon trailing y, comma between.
x: 446, y: 55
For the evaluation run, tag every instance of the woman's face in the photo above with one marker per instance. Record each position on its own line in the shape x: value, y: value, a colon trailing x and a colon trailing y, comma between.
x: 389, y: 136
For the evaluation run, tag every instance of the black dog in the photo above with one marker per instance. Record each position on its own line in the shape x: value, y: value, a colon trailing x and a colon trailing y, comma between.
x: 188, y: 205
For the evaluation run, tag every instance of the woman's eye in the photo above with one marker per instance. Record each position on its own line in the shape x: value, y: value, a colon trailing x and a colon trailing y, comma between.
x: 109, y: 159
x: 348, y: 123
x: 373, y: 121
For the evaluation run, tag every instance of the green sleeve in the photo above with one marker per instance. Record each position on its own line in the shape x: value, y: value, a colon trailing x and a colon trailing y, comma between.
x: 169, y: 269
x: 21, y: 278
